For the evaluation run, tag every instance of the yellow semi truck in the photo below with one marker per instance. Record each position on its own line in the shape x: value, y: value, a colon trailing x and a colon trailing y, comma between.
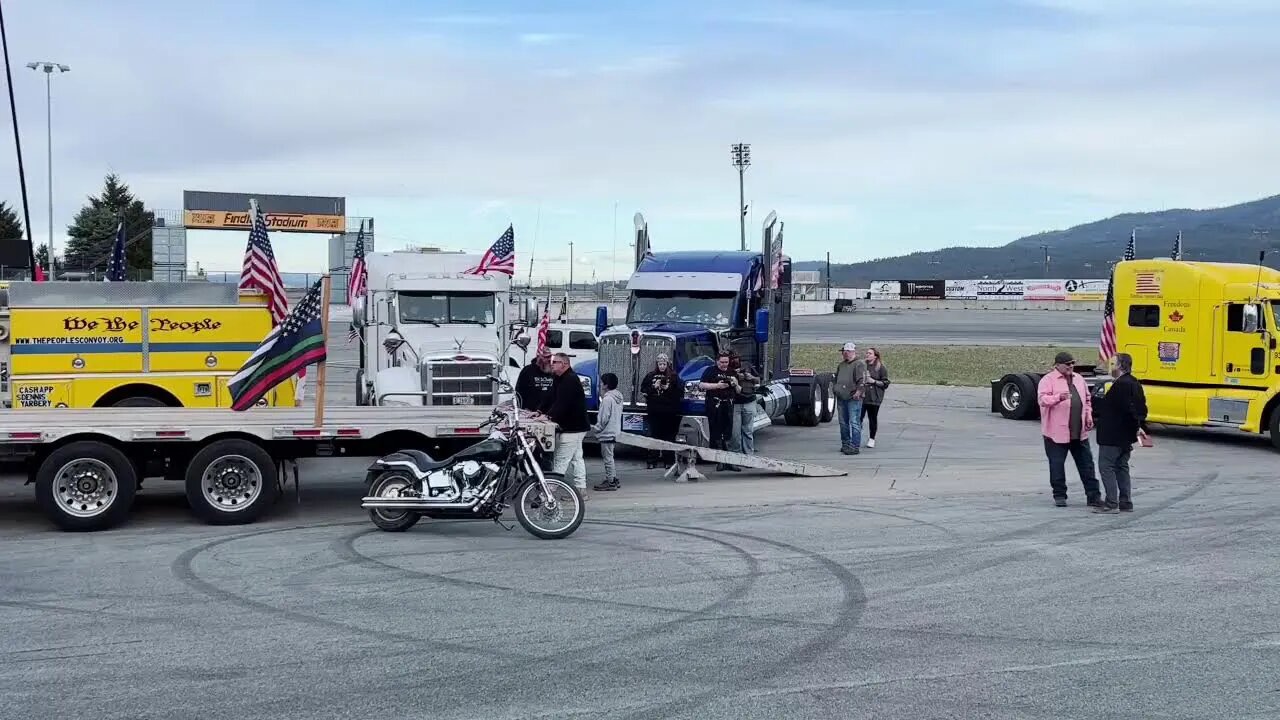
x: 85, y: 344
x: 1203, y: 337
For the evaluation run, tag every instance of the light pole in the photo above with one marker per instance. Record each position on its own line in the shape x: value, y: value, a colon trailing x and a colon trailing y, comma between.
x: 47, y: 68
x: 741, y: 153
x: 1045, y: 248
x: 570, y: 267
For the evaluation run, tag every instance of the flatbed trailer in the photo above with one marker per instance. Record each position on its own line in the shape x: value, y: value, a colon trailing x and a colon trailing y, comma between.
x: 87, y: 464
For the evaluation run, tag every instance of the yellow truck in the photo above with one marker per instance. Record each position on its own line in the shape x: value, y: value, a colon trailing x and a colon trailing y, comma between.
x: 99, y: 344
x: 1203, y: 337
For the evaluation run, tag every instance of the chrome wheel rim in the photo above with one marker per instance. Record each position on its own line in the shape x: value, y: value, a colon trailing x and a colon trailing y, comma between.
x: 392, y: 488
x: 85, y: 487
x: 1010, y: 397
x: 231, y: 483
x: 553, y: 517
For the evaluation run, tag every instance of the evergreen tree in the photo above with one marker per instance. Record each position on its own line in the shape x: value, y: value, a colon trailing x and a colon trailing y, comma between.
x: 42, y: 257
x: 94, y: 230
x: 10, y: 225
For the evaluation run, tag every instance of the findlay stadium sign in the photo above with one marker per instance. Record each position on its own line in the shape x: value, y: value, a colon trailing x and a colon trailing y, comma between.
x: 284, y: 213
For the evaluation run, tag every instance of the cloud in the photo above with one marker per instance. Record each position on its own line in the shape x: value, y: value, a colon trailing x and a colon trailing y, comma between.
x: 915, y: 122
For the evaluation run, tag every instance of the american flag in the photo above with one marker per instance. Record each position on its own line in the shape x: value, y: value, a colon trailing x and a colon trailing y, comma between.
x: 500, y: 257
x: 1147, y: 283
x: 1107, y: 342
x: 544, y: 325
x: 775, y: 271
x: 1177, y: 247
x: 260, y: 271
x: 116, y: 266
x: 358, y: 280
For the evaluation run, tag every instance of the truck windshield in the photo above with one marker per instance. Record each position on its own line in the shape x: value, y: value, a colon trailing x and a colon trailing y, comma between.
x: 445, y: 307
x: 704, y: 308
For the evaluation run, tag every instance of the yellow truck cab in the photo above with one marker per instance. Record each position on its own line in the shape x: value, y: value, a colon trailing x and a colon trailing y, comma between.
x: 1203, y: 337
x: 127, y: 344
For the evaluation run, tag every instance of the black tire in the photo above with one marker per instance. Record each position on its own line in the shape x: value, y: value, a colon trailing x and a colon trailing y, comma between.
x: 392, y: 520
x: 1014, y: 401
x: 829, y: 398
x: 241, y: 487
x: 812, y: 413
x: 1274, y: 428
x: 139, y: 401
x: 531, y: 486
x: 360, y: 389
x: 83, y: 509
x: 1033, y: 392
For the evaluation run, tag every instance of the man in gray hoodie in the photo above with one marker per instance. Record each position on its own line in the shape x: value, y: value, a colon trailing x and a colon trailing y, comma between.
x: 608, y: 425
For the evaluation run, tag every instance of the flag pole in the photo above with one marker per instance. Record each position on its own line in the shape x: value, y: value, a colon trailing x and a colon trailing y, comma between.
x: 324, y: 324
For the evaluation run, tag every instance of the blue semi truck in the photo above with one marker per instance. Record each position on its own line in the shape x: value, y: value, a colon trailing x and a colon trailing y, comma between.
x: 691, y: 305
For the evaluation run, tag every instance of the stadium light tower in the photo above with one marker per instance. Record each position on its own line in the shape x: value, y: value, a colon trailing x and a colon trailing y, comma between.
x: 48, y: 68
x: 741, y: 153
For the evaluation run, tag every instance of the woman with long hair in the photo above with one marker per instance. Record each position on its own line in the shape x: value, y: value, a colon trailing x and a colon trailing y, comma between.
x: 877, y: 381
x: 663, y: 392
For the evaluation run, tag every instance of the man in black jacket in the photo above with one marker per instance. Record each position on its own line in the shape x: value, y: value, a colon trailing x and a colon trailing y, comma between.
x: 566, y: 405
x: 535, y: 381
x: 1122, y: 419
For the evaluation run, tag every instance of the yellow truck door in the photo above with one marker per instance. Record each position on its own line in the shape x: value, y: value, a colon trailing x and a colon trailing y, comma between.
x: 1246, y: 354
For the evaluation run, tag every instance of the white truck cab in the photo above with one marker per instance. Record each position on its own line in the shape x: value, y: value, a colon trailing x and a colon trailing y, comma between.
x: 432, y: 332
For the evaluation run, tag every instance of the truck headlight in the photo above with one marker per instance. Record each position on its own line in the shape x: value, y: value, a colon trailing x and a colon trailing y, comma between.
x: 693, y: 390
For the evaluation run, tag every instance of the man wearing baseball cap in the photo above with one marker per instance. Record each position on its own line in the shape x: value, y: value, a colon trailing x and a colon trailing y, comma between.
x: 1066, y: 417
x: 851, y: 374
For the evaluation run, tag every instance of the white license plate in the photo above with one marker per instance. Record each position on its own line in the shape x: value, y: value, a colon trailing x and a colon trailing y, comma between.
x: 463, y: 400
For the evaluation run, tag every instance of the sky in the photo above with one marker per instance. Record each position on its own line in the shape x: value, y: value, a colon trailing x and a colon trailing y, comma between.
x: 877, y: 128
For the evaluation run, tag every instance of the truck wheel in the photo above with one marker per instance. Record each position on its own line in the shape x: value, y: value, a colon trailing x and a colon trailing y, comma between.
x: 140, y: 401
x: 86, y: 485
x: 1275, y: 428
x: 1033, y: 392
x: 828, y: 398
x: 1014, y: 396
x: 231, y: 482
x: 360, y: 389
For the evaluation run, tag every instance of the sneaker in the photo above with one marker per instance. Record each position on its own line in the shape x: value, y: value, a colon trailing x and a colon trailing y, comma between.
x: 606, y: 485
x: 1105, y: 510
x: 1126, y: 507
x: 871, y: 443
x: 1097, y: 502
x: 1060, y: 502
x: 846, y: 450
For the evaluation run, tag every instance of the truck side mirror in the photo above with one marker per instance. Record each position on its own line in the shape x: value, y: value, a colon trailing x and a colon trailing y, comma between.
x: 762, y: 325
x: 602, y: 319
x: 531, y: 311
x: 357, y: 311
x: 1251, y: 318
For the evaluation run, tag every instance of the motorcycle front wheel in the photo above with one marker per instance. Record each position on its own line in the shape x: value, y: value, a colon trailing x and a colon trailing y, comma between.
x: 532, y: 512
x: 389, y: 485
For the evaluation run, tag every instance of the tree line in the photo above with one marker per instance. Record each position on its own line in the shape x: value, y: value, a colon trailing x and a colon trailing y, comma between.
x: 92, y: 232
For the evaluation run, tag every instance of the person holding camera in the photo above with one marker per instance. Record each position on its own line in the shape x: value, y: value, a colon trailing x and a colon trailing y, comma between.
x: 743, y: 435
x: 663, y: 392
x: 721, y: 386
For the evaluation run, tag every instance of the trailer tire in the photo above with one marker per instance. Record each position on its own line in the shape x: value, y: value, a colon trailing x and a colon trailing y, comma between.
x: 102, y: 496
x: 140, y: 401
x: 828, y: 397
x: 1015, y: 396
x: 231, y: 482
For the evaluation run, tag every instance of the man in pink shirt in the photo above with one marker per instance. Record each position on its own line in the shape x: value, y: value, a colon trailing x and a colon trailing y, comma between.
x: 1066, y: 418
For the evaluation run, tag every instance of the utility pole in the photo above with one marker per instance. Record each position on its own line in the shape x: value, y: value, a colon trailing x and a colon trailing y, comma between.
x: 1045, y: 248
x: 828, y: 275
x: 47, y: 68
x: 17, y: 144
x: 741, y: 154
x: 570, y: 268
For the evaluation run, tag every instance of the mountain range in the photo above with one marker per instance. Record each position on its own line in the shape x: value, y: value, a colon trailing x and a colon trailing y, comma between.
x: 1227, y: 234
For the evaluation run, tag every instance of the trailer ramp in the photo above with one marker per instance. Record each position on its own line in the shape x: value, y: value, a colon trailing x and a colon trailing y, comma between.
x: 685, y: 468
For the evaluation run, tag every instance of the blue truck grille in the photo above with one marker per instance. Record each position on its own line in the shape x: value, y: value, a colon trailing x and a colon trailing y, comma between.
x: 615, y: 357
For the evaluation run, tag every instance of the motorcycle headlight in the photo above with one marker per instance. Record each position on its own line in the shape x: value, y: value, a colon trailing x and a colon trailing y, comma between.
x: 693, y: 390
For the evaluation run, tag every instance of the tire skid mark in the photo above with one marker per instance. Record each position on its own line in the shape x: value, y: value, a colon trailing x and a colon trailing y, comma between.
x: 907, y: 518
x: 345, y: 547
x: 183, y: 569
x: 849, y: 613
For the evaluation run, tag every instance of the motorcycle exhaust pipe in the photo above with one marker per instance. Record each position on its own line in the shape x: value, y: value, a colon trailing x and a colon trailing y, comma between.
x: 382, y: 503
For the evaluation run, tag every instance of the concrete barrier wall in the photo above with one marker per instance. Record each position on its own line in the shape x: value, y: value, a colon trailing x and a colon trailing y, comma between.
x: 1046, y: 305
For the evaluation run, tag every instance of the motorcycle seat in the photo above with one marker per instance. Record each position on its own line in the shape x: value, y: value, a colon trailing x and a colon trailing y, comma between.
x: 423, y: 461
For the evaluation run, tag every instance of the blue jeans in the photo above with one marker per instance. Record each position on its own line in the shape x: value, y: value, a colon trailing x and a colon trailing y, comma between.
x: 744, y: 432
x: 850, y: 416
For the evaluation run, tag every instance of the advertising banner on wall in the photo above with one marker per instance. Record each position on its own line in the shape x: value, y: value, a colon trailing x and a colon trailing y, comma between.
x: 885, y: 290
x: 1000, y: 289
x: 1093, y: 290
x: 922, y: 289
x: 962, y: 289
x: 1044, y: 289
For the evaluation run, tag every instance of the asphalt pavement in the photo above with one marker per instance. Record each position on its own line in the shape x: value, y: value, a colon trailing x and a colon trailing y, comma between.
x: 935, y: 580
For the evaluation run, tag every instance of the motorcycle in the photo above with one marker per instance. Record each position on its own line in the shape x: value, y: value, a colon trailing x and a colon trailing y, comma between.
x: 477, y: 483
